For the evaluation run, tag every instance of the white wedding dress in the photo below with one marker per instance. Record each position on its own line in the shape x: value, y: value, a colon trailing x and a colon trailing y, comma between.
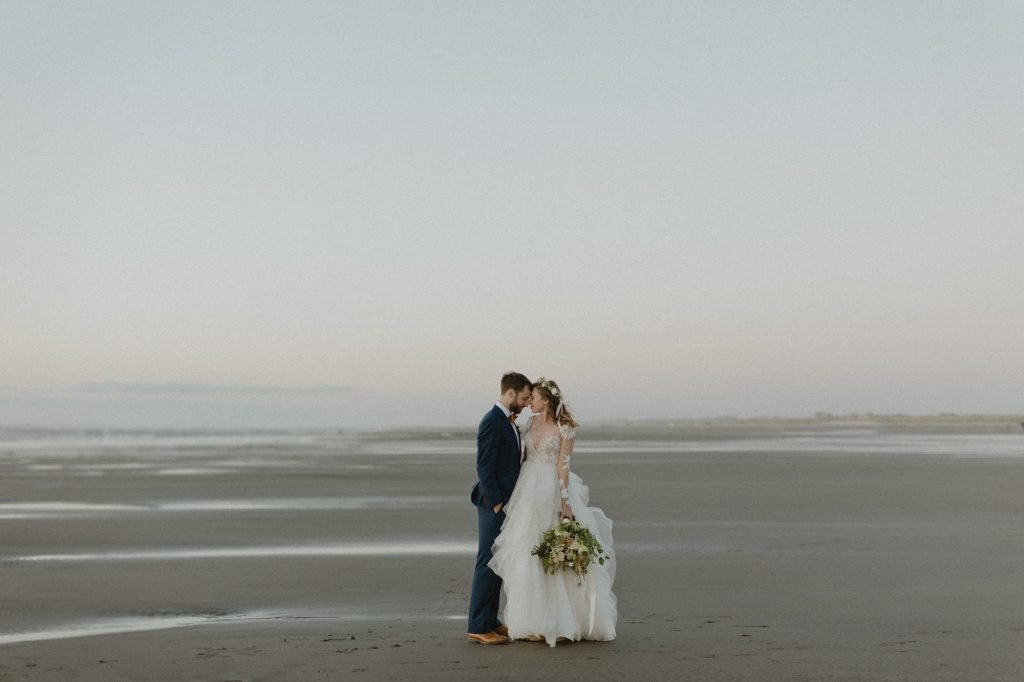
x: 539, y: 604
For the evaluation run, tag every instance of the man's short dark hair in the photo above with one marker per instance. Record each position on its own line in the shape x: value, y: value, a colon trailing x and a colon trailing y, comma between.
x: 515, y: 381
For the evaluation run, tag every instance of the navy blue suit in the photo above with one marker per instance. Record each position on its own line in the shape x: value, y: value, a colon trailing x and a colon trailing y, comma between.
x: 497, y: 468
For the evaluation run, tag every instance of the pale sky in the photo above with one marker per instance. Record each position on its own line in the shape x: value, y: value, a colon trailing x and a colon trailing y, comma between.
x: 360, y: 214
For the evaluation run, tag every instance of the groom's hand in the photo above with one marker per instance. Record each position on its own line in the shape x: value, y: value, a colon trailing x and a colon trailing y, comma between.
x: 497, y: 508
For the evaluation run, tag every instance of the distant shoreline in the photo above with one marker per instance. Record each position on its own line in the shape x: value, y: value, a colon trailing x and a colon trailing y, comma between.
x: 938, y: 423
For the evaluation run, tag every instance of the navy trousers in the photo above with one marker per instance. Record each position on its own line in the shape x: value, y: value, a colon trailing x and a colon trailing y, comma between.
x: 483, y: 601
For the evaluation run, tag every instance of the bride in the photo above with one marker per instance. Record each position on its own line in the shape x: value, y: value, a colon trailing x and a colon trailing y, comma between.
x: 540, y: 606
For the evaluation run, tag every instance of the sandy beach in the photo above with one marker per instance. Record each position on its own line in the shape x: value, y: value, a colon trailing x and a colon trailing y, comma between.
x: 864, y: 549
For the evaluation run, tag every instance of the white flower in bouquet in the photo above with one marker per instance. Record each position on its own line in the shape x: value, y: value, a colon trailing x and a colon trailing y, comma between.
x: 569, y: 546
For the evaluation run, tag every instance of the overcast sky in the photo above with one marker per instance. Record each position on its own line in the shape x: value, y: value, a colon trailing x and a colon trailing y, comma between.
x: 361, y: 214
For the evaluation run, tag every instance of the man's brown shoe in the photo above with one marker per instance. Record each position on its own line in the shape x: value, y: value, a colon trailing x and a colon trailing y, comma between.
x: 487, y: 638
x: 501, y: 630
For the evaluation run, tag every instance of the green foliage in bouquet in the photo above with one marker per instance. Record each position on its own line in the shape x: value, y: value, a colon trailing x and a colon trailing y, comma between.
x: 569, y: 546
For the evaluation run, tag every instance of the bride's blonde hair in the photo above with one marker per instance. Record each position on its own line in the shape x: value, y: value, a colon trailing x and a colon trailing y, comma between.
x: 559, y: 409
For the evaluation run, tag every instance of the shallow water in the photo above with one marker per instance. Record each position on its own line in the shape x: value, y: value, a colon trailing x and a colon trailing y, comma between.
x: 205, y: 453
x: 392, y: 549
x: 83, y: 510
x: 131, y: 624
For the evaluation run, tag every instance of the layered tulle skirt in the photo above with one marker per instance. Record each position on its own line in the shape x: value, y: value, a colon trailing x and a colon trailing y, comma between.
x: 539, y: 604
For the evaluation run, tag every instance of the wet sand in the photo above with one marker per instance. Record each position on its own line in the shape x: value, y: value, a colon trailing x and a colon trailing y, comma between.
x: 747, y: 551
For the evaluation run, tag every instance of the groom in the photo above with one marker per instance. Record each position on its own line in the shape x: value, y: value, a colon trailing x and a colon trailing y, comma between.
x: 497, y: 467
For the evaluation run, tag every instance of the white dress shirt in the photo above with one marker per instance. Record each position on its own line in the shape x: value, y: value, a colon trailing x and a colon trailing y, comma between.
x: 508, y: 414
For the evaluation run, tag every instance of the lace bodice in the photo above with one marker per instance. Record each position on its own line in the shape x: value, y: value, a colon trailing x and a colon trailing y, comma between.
x: 544, y: 448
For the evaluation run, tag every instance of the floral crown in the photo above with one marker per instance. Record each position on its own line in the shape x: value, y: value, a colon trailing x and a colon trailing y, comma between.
x: 549, y: 385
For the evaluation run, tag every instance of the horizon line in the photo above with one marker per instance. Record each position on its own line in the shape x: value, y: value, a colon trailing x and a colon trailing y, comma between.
x: 822, y: 417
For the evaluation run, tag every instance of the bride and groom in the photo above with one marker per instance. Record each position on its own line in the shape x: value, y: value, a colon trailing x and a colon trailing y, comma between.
x: 524, y: 488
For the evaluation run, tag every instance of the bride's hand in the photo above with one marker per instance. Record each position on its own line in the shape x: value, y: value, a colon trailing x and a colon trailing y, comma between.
x: 567, y: 512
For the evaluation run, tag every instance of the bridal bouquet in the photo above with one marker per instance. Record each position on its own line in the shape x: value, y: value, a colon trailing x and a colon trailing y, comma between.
x: 569, y: 546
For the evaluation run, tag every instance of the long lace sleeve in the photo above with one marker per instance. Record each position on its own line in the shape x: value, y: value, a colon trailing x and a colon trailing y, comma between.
x: 568, y: 440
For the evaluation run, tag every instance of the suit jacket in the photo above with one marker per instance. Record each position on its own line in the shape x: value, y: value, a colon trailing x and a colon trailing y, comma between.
x: 497, y: 459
